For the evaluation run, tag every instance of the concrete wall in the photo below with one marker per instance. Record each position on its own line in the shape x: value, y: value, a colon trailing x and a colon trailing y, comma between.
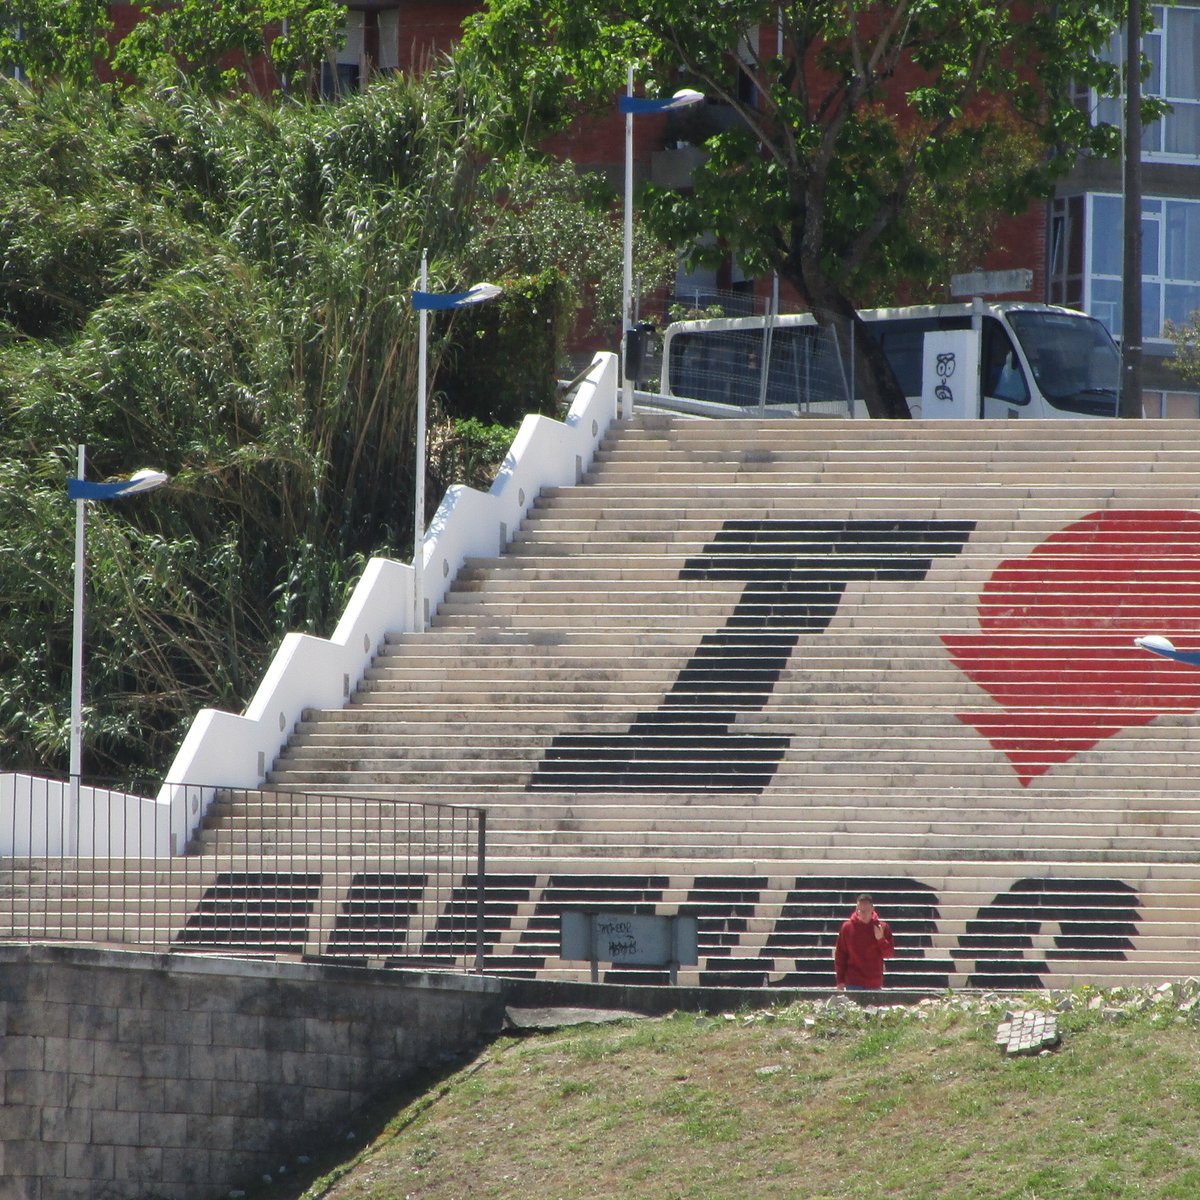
x: 39, y: 816
x: 127, y: 1076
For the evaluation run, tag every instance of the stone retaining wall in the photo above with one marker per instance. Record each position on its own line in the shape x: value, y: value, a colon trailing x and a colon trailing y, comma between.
x: 131, y: 1076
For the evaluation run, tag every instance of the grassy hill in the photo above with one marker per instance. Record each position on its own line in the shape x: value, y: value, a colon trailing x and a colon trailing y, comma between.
x: 806, y: 1101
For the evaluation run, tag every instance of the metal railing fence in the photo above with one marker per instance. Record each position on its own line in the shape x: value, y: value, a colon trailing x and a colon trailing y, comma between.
x: 267, y: 873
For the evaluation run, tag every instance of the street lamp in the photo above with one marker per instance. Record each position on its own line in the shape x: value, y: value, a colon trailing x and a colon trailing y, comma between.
x: 424, y: 302
x: 1157, y: 644
x: 1129, y: 399
x: 632, y: 105
x: 81, y: 491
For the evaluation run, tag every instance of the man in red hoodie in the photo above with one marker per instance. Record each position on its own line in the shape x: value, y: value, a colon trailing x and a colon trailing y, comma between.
x: 863, y: 943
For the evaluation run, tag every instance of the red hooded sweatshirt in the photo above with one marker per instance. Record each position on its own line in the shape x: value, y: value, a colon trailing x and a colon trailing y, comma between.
x: 858, y: 958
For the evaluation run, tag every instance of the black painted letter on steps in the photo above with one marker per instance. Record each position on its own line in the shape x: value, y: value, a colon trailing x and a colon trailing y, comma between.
x: 795, y: 573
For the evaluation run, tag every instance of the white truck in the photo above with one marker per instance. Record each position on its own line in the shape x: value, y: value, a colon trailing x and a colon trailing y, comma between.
x: 957, y: 361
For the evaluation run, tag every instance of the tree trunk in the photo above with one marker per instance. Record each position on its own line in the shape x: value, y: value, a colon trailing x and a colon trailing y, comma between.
x: 873, y: 374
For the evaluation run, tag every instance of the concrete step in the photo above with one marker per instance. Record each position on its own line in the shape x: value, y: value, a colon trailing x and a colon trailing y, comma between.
x: 476, y: 785
x: 310, y: 815
x: 621, y: 746
x: 893, y: 648
x: 1136, y: 803
x: 703, y: 812
x: 649, y: 496
x: 1012, y: 473
x: 1028, y: 841
x: 632, y: 454
x: 974, y: 923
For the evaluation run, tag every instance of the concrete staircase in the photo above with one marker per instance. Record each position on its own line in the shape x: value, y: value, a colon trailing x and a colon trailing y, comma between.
x: 749, y: 669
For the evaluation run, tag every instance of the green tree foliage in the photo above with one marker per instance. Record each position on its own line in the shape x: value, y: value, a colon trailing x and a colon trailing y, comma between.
x: 221, y: 289
x: 526, y: 325
x: 549, y: 216
x: 1185, y: 337
x: 215, y: 42
x: 55, y: 39
x: 953, y: 222
x: 868, y: 105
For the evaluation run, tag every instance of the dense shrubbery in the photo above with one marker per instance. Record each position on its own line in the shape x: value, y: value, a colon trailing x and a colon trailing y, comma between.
x: 505, y: 367
x: 220, y: 289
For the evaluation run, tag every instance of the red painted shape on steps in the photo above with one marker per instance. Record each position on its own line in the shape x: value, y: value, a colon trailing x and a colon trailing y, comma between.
x: 1055, y: 648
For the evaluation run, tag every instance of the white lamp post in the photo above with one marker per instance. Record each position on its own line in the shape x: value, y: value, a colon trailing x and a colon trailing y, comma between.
x: 632, y: 105
x: 81, y: 491
x: 1157, y: 644
x: 424, y: 302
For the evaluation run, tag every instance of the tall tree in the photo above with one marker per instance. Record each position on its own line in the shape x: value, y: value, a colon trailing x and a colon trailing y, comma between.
x: 54, y: 39
x: 835, y: 131
x: 216, y: 42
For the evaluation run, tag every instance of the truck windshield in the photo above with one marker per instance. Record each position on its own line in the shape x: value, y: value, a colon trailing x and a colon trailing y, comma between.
x: 1075, y: 364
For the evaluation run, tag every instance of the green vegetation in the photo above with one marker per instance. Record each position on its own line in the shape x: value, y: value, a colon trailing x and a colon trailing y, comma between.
x: 804, y: 1102
x: 219, y: 288
x: 216, y: 43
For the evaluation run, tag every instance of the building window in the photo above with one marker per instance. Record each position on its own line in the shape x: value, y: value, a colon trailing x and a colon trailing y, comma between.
x: 1177, y: 405
x: 339, y: 79
x: 1173, y: 50
x: 1067, y: 223
x: 1179, y: 67
x: 387, y: 54
x: 1170, y: 261
x: 371, y: 40
x: 342, y: 71
x: 747, y: 93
